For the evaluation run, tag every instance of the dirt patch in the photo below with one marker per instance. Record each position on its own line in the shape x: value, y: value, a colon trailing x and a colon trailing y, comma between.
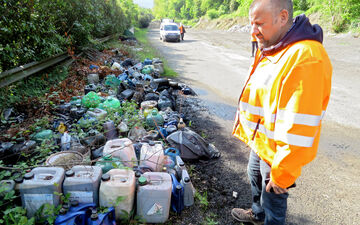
x: 220, y: 24
x: 214, y: 180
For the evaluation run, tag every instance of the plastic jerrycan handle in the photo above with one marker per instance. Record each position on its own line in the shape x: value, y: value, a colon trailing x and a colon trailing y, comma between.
x: 180, y: 162
x: 171, y: 151
x: 70, y: 218
x: 106, y: 218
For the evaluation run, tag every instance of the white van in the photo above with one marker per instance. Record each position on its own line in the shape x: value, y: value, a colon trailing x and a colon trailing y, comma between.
x: 169, y: 32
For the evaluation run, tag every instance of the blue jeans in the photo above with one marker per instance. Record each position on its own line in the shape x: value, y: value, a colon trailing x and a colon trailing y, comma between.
x: 266, y: 206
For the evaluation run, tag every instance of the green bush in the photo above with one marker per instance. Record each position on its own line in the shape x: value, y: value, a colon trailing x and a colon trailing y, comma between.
x: 338, y: 14
x: 145, y: 18
x: 212, y: 14
x: 32, y: 30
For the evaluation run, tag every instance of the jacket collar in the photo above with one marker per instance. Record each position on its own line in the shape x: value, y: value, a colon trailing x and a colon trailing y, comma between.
x: 300, y: 30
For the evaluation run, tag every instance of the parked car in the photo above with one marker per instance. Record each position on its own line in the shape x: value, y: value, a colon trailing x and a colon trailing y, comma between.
x: 169, y: 32
x: 167, y: 20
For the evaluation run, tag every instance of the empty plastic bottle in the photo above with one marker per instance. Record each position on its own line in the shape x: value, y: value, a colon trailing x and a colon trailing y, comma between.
x: 89, y: 88
x: 172, y: 152
x: 97, y: 113
x: 75, y: 100
x: 63, y: 108
x: 43, y: 135
x: 177, y: 197
x: 154, y: 197
x: 189, y: 190
x: 154, y: 119
x: 110, y: 130
x: 65, y: 141
x: 108, y: 162
x: 147, y: 62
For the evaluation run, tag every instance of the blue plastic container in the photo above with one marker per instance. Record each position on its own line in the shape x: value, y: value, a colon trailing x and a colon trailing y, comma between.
x: 172, y: 152
x: 162, y: 131
x: 71, y: 218
x: 107, y: 218
x: 147, y: 62
x: 171, y: 122
x: 78, y: 214
x: 148, y: 77
x: 177, y: 195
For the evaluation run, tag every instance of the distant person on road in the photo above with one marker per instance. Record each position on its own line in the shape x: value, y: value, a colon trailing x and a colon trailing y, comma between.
x: 281, y: 106
x: 182, y: 31
x: 254, y: 44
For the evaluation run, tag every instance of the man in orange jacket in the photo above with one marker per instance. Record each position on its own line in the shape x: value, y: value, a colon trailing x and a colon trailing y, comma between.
x: 281, y: 106
x: 182, y: 31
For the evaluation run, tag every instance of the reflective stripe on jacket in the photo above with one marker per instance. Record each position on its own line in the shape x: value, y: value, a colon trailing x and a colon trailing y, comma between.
x: 281, y: 107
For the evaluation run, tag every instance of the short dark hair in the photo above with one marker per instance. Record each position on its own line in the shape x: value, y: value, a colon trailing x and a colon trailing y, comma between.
x: 280, y: 4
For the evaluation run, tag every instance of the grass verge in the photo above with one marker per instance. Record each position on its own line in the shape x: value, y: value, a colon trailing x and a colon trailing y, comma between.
x: 149, y: 52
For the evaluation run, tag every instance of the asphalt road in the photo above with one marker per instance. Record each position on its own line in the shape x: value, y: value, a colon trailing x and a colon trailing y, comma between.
x: 215, y: 64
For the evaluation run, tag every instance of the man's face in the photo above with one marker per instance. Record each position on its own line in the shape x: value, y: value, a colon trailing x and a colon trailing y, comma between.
x: 265, y: 24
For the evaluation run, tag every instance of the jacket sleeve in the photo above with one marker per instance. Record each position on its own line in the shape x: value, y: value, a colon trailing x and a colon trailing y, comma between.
x: 303, y: 98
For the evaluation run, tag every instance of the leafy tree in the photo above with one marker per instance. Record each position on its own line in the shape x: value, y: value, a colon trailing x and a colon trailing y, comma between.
x: 31, y: 30
x: 342, y: 14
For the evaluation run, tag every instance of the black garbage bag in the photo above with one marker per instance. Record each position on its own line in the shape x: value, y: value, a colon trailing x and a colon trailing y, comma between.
x: 192, y: 146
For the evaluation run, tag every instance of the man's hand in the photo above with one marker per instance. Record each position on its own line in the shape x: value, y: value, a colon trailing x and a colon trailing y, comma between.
x: 277, y: 189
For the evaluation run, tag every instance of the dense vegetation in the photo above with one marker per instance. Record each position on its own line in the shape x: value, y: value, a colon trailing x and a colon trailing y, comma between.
x: 31, y: 30
x: 341, y: 15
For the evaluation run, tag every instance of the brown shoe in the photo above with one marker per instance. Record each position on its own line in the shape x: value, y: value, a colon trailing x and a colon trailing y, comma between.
x: 245, y: 215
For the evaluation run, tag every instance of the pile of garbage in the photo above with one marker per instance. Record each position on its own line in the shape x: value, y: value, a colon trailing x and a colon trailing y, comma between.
x: 122, y: 145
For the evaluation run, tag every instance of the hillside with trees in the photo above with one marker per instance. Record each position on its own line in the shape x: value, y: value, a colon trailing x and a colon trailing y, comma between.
x: 32, y: 30
x: 338, y: 15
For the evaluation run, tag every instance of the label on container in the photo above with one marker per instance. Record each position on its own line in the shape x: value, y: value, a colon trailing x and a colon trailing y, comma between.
x: 156, y: 209
x: 82, y: 196
x: 35, y: 201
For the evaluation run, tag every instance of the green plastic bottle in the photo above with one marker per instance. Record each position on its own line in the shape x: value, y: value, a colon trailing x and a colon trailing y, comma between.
x: 147, y: 69
x: 75, y: 100
x: 112, y: 81
x: 106, y: 163
x: 43, y: 135
x: 154, y: 117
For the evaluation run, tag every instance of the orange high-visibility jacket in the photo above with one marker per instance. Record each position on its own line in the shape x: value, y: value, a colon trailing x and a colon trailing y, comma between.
x: 281, y: 107
x: 182, y: 29
x: 253, y: 38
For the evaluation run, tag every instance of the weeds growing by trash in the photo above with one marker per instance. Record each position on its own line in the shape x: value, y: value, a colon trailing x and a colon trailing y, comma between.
x: 210, y: 220
x: 202, y: 199
x: 16, y: 215
x: 191, y: 169
x: 203, y: 134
